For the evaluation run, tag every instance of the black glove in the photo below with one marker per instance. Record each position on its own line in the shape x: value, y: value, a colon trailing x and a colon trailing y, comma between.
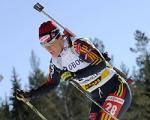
x: 129, y: 80
x: 20, y: 94
x: 66, y: 75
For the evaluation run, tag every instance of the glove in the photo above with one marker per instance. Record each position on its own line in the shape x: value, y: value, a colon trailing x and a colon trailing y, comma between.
x: 67, y: 75
x: 129, y: 80
x: 20, y: 94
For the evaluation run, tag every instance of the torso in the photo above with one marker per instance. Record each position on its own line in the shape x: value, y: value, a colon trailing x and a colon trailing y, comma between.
x: 70, y: 61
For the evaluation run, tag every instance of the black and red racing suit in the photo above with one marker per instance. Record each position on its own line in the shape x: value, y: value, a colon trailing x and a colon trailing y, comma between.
x: 94, y: 75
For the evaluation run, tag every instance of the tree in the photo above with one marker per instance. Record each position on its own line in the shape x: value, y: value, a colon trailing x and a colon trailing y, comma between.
x: 143, y: 60
x: 5, y: 113
x: 139, y: 109
x: 18, y: 111
x: 36, y: 78
x: 99, y: 44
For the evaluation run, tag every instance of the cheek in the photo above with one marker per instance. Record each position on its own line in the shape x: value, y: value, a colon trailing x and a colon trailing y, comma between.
x: 57, y: 48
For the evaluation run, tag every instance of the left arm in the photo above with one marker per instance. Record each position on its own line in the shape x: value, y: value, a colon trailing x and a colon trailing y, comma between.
x: 90, y: 54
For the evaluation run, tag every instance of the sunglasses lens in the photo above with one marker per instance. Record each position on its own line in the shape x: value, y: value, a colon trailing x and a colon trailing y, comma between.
x: 49, y: 41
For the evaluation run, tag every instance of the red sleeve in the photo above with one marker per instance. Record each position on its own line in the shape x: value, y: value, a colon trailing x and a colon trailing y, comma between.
x: 87, y: 52
x: 90, y: 54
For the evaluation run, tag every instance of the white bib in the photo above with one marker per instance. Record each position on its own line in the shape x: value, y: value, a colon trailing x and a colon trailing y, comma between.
x: 69, y: 60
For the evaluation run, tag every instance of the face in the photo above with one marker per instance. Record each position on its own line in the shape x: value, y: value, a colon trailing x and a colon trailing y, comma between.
x: 56, y: 47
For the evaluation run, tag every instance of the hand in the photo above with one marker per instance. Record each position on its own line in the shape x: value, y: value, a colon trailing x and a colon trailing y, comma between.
x: 129, y: 80
x: 21, y: 95
x: 67, y: 75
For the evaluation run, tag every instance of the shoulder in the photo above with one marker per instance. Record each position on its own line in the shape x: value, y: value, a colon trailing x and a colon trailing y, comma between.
x: 82, y: 44
x: 85, y: 41
x: 86, y: 49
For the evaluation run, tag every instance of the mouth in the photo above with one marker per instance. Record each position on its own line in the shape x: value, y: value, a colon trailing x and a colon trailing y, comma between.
x: 52, y: 52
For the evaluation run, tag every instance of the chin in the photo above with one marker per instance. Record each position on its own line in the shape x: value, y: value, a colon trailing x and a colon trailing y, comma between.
x: 55, y: 56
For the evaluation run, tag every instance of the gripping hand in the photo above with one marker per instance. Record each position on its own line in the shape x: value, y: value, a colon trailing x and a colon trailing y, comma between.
x: 67, y: 75
x: 22, y: 95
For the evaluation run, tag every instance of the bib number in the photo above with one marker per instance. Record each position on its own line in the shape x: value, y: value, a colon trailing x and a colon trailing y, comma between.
x: 113, y: 105
x: 111, y: 108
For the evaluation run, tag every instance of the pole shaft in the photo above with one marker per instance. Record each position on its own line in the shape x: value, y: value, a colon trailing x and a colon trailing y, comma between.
x: 89, y: 97
x: 35, y: 110
x: 52, y: 19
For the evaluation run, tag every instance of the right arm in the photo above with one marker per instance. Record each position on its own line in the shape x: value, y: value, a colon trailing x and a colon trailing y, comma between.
x: 52, y: 82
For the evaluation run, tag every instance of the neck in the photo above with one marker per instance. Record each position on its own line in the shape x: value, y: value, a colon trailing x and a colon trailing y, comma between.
x: 62, y: 45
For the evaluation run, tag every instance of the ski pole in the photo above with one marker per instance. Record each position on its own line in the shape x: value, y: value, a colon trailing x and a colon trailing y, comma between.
x: 89, y: 97
x: 21, y: 98
x: 40, y: 8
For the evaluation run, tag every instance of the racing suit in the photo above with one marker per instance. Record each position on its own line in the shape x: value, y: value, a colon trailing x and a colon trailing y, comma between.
x: 93, y: 74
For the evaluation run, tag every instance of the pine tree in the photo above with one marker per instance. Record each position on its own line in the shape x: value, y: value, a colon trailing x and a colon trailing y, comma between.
x: 36, y: 78
x: 139, y: 109
x: 18, y: 111
x: 5, y: 113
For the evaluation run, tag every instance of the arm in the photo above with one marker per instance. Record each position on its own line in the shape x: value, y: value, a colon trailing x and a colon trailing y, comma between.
x: 90, y: 54
x: 52, y: 82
